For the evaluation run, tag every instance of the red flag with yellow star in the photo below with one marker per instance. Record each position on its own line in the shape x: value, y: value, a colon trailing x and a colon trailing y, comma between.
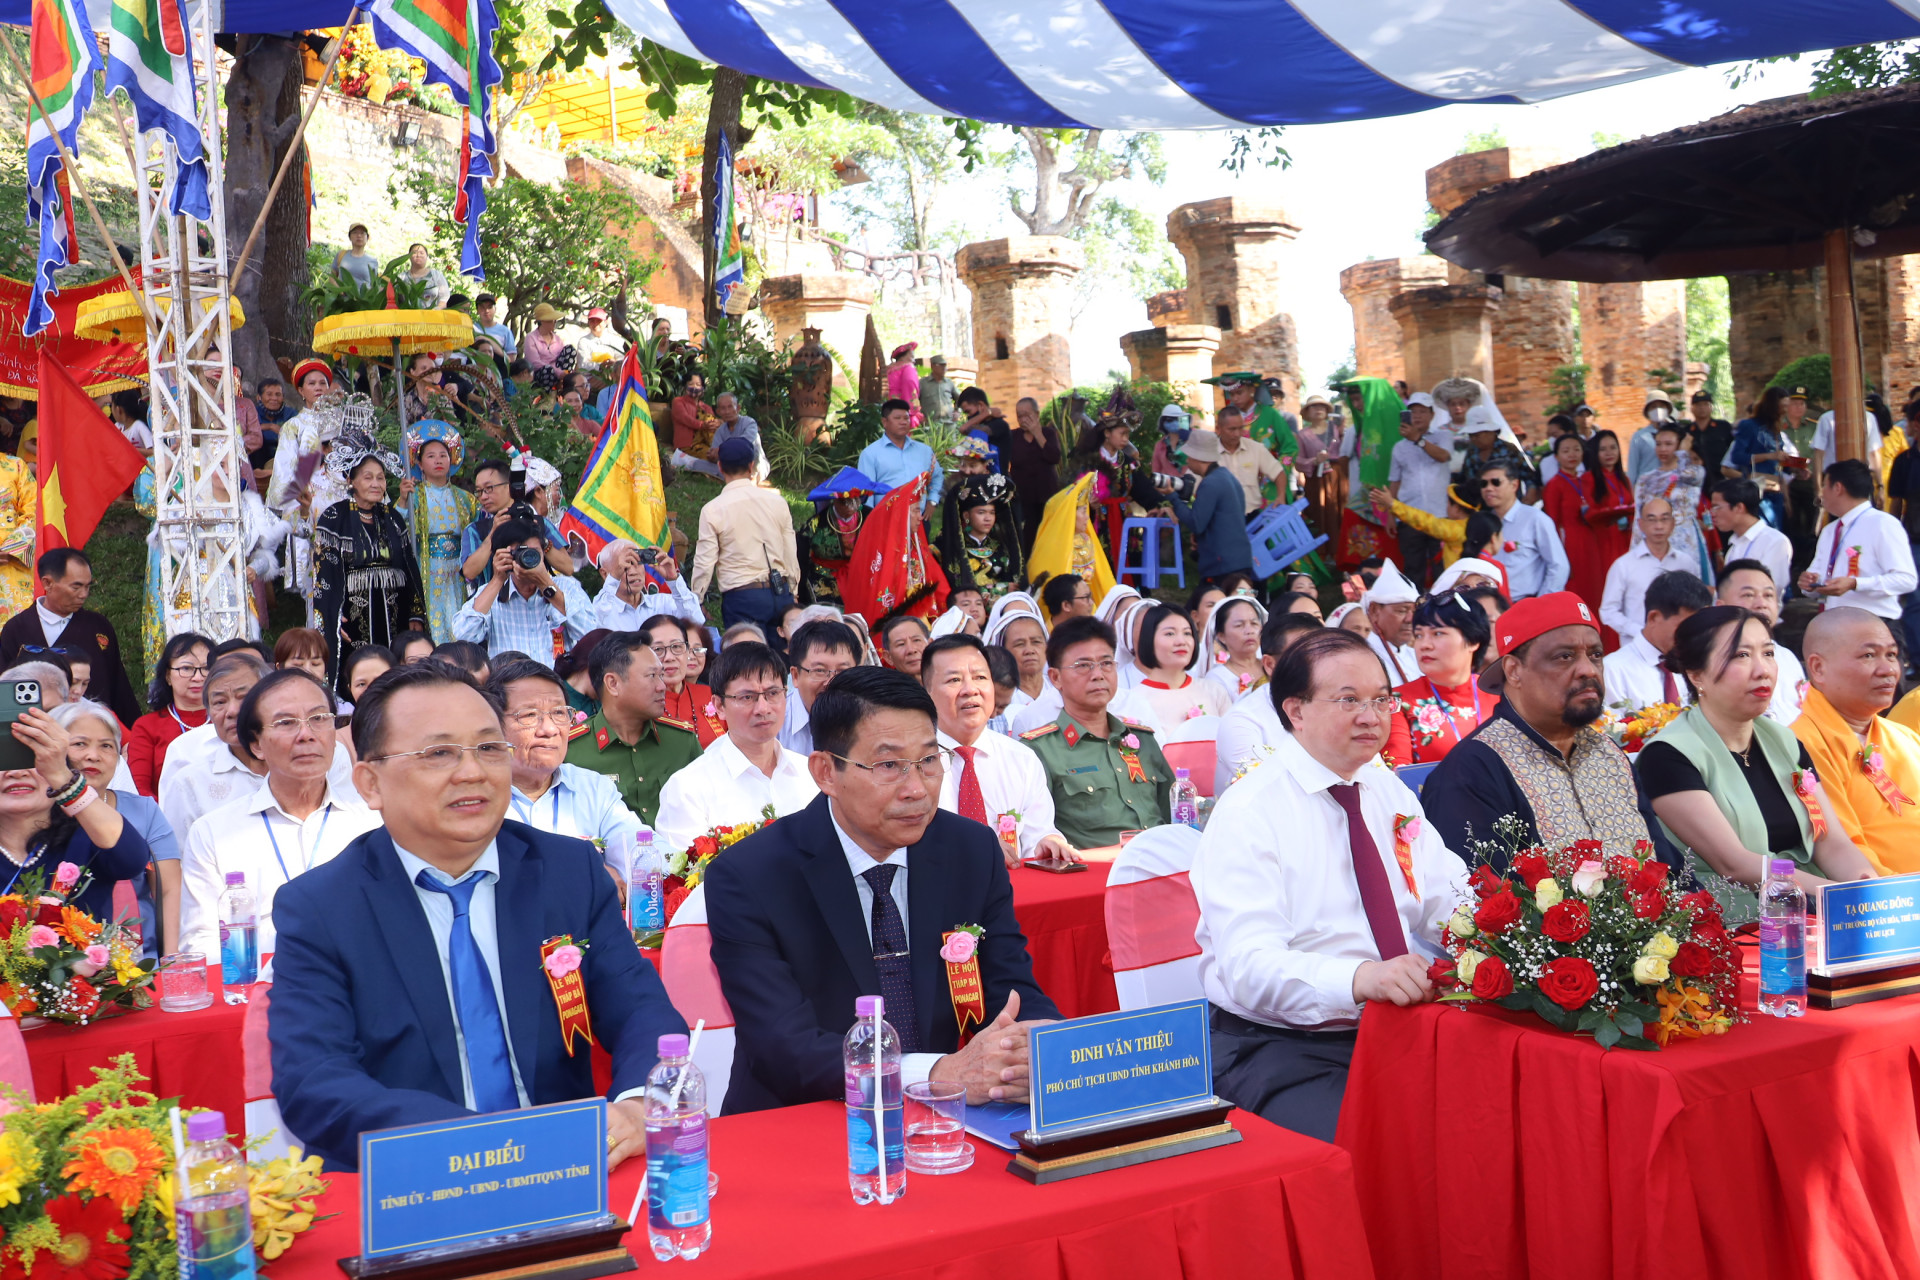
x: 84, y: 463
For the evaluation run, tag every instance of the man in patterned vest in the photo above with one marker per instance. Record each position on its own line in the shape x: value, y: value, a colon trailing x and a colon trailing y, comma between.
x: 1539, y: 756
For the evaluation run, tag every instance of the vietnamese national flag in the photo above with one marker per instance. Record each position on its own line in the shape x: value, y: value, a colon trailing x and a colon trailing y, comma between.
x: 84, y: 464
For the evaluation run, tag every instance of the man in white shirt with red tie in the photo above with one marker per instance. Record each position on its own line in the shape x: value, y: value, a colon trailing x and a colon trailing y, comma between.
x: 1633, y: 674
x: 1389, y: 604
x: 1304, y: 921
x: 1862, y: 558
x: 990, y: 777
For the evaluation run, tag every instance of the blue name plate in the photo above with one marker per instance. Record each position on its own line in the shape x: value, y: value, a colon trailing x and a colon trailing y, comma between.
x: 431, y: 1186
x: 1118, y: 1066
x: 1866, y: 922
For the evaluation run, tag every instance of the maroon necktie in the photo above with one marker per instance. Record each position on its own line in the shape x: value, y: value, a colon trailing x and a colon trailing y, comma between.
x: 1376, y: 895
x: 1833, y: 552
x: 1669, y: 688
x: 972, y: 803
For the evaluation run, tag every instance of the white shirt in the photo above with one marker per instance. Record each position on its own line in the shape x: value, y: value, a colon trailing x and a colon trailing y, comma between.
x: 914, y: 1067
x: 206, y: 775
x: 580, y: 803
x: 1248, y: 734
x: 1823, y: 433
x: 483, y: 921
x: 1282, y: 929
x: 138, y: 435
x: 1044, y: 709
x: 1423, y: 479
x: 1770, y: 547
x: 1623, y: 602
x: 1536, y: 564
x: 255, y: 836
x: 52, y: 625
x: 1886, y: 569
x: 796, y: 732
x: 1012, y: 780
x: 1398, y: 659
x: 615, y: 614
x: 723, y: 787
x: 1791, y: 687
x: 1633, y: 677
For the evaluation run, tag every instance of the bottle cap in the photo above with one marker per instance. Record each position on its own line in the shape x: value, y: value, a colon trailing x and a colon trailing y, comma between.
x: 870, y: 1006
x: 1783, y: 866
x: 236, y: 877
x: 205, y: 1126
x: 1179, y: 773
x: 643, y: 837
x: 673, y: 1046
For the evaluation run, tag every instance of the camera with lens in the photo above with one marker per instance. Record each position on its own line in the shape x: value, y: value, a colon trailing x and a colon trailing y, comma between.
x: 1183, y: 484
x: 649, y: 555
x: 527, y: 558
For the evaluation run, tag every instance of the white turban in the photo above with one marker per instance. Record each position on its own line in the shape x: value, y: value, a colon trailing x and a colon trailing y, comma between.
x: 1391, y: 587
x: 949, y: 623
x: 1451, y: 575
x: 1014, y: 604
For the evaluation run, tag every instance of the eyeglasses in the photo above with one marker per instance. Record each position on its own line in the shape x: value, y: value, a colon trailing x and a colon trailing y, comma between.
x: 489, y: 488
x: 560, y: 718
x: 1089, y: 666
x: 445, y: 757
x: 1389, y: 705
x: 669, y: 650
x: 821, y: 673
x: 773, y: 697
x: 894, y: 772
x: 188, y: 672
x: 319, y: 722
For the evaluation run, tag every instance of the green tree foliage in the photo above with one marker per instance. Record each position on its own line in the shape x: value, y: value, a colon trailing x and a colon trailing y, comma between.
x: 1860, y: 66
x: 1815, y: 373
x: 1126, y: 248
x: 1482, y: 140
x: 1568, y: 382
x: 1708, y: 322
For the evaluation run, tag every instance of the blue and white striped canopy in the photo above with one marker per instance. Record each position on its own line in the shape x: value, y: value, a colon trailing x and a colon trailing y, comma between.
x: 1205, y: 64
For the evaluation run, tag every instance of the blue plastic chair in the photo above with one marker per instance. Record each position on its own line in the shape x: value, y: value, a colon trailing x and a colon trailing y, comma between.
x: 1280, y: 536
x: 1150, y: 567
x: 1415, y: 775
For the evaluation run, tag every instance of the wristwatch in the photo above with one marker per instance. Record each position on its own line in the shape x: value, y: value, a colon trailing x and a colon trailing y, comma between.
x: 548, y: 593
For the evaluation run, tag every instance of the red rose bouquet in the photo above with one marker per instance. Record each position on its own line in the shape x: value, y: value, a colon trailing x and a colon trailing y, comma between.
x: 1594, y: 944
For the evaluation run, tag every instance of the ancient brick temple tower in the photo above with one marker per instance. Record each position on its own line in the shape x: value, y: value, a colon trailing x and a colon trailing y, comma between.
x: 1022, y: 314
x: 1236, y: 249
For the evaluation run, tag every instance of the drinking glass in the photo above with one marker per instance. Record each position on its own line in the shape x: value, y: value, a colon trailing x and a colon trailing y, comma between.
x: 183, y: 982
x: 936, y: 1118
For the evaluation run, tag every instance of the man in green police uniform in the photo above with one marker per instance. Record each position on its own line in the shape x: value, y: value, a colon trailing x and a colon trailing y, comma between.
x: 631, y: 740
x: 1106, y: 774
x: 1265, y: 423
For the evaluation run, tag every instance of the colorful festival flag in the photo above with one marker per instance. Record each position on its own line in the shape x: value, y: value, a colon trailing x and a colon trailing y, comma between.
x: 893, y: 570
x: 148, y: 59
x: 63, y: 58
x: 729, y: 263
x: 84, y: 463
x: 621, y: 495
x: 100, y: 367
x: 455, y: 39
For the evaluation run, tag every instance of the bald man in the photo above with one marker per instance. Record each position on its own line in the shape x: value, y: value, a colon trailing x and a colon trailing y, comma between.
x: 1853, y: 668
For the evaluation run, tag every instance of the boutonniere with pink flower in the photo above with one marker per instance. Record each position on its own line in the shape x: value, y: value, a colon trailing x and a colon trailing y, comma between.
x: 561, y: 957
x: 1131, y: 742
x: 1130, y: 752
x: 960, y: 949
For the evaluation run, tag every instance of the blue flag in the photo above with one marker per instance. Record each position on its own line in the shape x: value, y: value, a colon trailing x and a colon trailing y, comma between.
x: 149, y: 60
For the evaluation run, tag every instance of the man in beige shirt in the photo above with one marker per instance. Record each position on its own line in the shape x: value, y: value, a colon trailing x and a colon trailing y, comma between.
x: 1250, y: 461
x: 746, y: 538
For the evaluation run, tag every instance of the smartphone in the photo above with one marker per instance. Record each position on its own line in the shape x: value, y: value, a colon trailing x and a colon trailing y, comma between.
x: 16, y: 696
x: 1060, y: 867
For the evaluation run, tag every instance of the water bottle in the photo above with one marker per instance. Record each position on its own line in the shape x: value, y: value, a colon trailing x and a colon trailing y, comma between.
x: 239, y: 949
x: 1783, y: 942
x: 874, y: 1085
x: 213, y: 1213
x: 646, y: 887
x: 677, y: 1223
x: 1186, y: 801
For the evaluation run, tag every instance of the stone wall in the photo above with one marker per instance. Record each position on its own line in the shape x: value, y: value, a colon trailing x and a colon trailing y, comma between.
x: 1368, y: 288
x: 1236, y: 250
x: 836, y: 303
x: 1532, y: 336
x: 657, y: 236
x: 1898, y: 372
x: 1169, y: 307
x: 1626, y: 332
x: 1446, y: 331
x: 1022, y: 314
x: 1778, y: 316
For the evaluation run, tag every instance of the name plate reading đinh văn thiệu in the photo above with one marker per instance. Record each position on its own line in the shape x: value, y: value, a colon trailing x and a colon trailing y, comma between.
x: 1116, y: 1067
x: 473, y: 1179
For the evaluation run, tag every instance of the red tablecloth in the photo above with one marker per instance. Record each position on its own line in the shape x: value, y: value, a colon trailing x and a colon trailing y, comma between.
x: 195, y: 1057
x: 1064, y: 918
x: 1274, y: 1205
x: 1487, y: 1144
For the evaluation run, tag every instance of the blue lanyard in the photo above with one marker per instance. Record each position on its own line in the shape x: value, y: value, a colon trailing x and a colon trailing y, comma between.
x: 318, y: 837
x: 20, y: 871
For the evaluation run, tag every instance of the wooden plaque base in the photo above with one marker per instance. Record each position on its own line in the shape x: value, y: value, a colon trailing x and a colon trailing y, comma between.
x: 1122, y: 1145
x: 1837, y: 991
x: 579, y: 1252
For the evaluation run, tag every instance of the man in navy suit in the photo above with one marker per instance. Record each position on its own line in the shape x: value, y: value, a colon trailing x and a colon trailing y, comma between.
x: 851, y: 896
x: 408, y: 984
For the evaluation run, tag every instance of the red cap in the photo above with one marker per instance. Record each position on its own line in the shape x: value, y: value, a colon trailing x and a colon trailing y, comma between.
x: 1530, y: 619
x: 598, y: 313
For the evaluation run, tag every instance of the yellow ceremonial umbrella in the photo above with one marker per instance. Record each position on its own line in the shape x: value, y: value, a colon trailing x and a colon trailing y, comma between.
x: 115, y: 317
x: 1065, y: 541
x: 372, y: 333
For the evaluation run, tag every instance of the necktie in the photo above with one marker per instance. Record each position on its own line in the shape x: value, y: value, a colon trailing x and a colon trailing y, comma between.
x: 475, y: 1003
x: 890, y: 956
x: 1833, y: 552
x: 972, y: 803
x: 1376, y: 895
x: 1669, y: 688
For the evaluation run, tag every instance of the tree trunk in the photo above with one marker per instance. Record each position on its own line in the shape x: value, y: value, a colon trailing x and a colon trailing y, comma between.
x: 263, y: 110
x: 729, y: 87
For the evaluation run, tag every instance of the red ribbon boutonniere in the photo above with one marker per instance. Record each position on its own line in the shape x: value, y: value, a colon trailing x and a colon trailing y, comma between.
x: 1406, y: 829
x: 560, y: 957
x: 960, y: 948
x: 1130, y: 752
x: 1509, y: 546
x: 1853, y: 562
x: 1803, y: 781
x: 1875, y: 768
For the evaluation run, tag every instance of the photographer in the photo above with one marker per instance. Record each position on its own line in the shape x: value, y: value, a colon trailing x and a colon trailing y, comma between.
x: 1214, y: 510
x: 501, y: 492
x: 640, y: 583
x: 522, y: 603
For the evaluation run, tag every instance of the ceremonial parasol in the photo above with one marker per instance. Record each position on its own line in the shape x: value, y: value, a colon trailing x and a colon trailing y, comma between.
x: 371, y: 333
x: 116, y: 317
x: 1772, y: 187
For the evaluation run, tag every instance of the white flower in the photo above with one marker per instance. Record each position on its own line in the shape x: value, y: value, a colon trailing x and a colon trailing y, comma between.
x: 1590, y: 878
x: 1462, y: 922
x: 1547, y: 893
x: 1465, y: 963
x: 1650, y: 969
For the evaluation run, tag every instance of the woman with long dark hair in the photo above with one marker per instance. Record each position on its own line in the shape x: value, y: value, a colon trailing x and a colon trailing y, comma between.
x: 1451, y: 634
x: 369, y: 588
x: 1759, y: 447
x: 177, y: 701
x: 1593, y: 511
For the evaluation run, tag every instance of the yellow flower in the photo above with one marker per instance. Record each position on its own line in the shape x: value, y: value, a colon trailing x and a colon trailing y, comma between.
x: 1650, y: 969
x: 283, y: 1195
x: 1465, y: 964
x: 1462, y: 923
x: 19, y: 1162
x: 1547, y: 894
x: 1661, y: 944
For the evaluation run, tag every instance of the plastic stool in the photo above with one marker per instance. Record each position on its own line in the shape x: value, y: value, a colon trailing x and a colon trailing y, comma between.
x: 1280, y: 537
x: 1150, y: 567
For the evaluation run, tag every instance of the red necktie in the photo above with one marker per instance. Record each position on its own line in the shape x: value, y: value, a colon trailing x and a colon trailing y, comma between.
x: 1669, y: 688
x: 1376, y: 894
x: 1833, y: 552
x: 972, y: 803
